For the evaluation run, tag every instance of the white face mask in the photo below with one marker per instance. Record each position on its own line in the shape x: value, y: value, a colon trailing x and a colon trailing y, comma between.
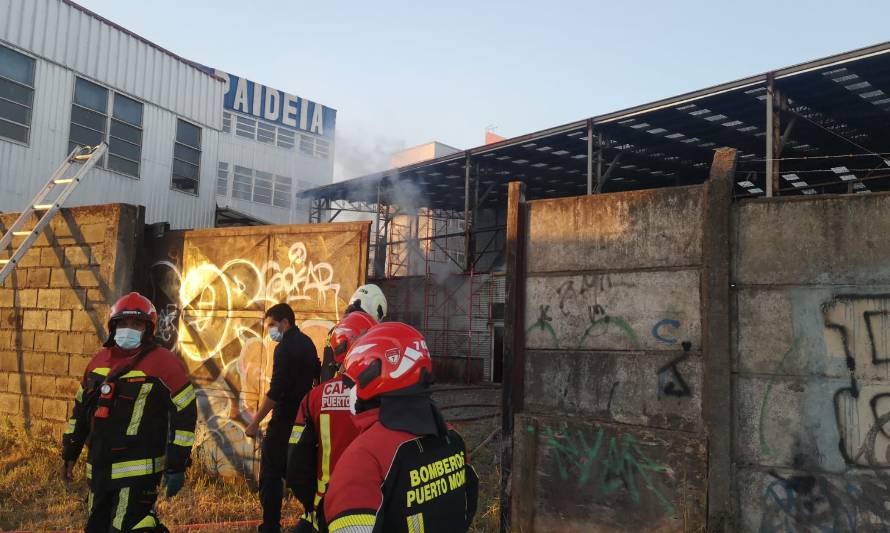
x: 127, y: 338
x: 274, y: 334
x: 353, y: 398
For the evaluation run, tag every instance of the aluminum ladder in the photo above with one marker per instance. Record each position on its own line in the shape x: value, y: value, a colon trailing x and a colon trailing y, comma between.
x: 63, y: 182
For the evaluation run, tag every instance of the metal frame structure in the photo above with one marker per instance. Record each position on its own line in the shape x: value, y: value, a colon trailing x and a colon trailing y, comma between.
x: 821, y: 127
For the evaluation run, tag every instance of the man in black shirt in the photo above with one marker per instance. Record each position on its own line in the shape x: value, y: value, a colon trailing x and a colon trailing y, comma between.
x: 295, y: 368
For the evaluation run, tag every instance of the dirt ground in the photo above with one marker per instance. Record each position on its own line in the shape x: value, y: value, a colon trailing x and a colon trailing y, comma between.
x: 33, y: 498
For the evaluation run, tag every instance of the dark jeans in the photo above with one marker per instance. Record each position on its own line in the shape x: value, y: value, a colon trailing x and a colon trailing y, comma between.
x: 273, y: 469
x: 127, y: 509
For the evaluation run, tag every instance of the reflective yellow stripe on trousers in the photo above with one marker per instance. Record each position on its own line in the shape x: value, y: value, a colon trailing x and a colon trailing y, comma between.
x: 139, y: 467
x: 122, y: 500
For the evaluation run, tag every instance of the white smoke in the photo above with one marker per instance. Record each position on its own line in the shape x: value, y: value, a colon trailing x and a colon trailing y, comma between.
x: 359, y: 153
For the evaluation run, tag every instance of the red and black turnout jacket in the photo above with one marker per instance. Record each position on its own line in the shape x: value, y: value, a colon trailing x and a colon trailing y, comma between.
x: 149, y: 425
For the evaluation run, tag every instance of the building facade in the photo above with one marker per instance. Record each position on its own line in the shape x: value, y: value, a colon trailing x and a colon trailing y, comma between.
x: 70, y: 77
x: 272, y: 146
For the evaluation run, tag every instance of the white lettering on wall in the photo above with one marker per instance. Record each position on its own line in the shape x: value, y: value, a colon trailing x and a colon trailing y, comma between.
x: 241, y: 96
x: 304, y: 113
x: 289, y: 111
x: 273, y: 101
x: 317, y: 122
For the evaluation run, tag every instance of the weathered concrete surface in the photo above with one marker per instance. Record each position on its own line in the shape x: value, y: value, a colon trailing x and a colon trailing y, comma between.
x: 812, y: 392
x: 653, y: 310
x: 793, y: 500
x: 593, y: 477
x: 611, y: 436
x: 625, y: 388
x: 629, y: 230
x: 781, y: 419
x: 808, y: 330
x: 54, y: 308
x: 823, y: 239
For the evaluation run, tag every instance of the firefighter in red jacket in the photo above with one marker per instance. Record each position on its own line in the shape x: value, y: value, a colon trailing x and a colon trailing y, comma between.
x: 324, y: 427
x: 406, y: 471
x: 135, y: 410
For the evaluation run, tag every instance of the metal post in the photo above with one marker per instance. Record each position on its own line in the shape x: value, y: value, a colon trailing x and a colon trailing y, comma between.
x: 468, y: 219
x: 589, y: 156
x: 599, y: 163
x: 772, y: 125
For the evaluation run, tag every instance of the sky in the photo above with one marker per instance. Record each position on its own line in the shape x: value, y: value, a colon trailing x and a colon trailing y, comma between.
x: 402, y: 73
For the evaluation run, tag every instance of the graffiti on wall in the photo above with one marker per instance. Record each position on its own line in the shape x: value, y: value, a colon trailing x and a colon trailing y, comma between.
x: 855, y: 331
x: 212, y: 313
x: 856, y: 328
x: 670, y: 380
x: 606, y: 463
x: 813, y: 503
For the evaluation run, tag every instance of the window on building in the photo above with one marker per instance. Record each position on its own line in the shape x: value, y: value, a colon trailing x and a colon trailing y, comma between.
x: 286, y: 138
x: 222, y: 179
x: 227, y: 122
x: 307, y: 145
x: 322, y: 148
x: 265, y: 132
x: 245, y: 127
x: 16, y: 94
x: 89, y: 125
x: 125, y: 137
x: 262, y: 187
x: 187, y: 157
x: 89, y: 114
x: 282, y: 194
x: 242, y: 185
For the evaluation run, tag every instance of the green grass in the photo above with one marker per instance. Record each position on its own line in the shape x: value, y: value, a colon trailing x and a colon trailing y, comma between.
x: 33, y: 496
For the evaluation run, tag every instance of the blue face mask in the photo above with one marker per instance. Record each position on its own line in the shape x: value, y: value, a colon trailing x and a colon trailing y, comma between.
x: 127, y: 338
x: 274, y: 334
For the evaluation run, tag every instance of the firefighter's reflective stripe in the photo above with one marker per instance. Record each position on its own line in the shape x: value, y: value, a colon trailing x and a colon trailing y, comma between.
x: 295, y: 434
x: 184, y: 398
x: 72, y: 422
x: 183, y: 438
x: 138, y: 408
x: 89, y: 472
x: 90, y: 501
x: 415, y: 523
x: 139, y: 467
x: 102, y: 371
x: 134, y: 374
x: 324, y: 420
x: 147, y: 522
x: 79, y: 396
x: 354, y: 523
x: 122, y: 500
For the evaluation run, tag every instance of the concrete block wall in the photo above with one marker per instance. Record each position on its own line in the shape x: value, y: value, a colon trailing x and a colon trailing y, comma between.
x: 54, y: 308
x: 811, y: 377
x: 610, y: 435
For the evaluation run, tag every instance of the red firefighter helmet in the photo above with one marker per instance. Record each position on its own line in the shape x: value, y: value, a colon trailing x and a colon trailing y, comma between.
x: 135, y: 306
x: 350, y: 328
x: 390, y: 357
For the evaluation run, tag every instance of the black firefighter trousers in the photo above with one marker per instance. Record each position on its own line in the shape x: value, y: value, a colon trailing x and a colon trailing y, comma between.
x: 126, y: 509
x: 273, y: 469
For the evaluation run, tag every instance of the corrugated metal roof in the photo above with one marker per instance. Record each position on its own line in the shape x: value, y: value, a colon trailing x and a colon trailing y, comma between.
x: 671, y: 141
x: 100, y: 18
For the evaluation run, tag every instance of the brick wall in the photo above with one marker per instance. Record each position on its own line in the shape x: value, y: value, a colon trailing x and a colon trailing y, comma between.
x: 54, y: 307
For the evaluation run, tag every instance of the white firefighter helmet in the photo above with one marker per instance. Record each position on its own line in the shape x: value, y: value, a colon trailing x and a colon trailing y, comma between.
x: 371, y: 300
